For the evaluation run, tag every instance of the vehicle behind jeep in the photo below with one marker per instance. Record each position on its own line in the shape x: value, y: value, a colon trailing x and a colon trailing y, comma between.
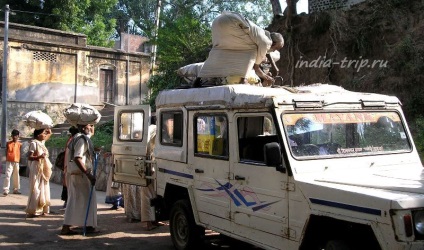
x: 313, y: 167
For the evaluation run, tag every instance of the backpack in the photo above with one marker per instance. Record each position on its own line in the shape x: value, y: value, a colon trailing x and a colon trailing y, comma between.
x: 60, y: 161
x: 87, y: 140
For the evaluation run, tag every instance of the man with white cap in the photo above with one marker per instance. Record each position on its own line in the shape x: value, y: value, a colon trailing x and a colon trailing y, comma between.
x: 80, y: 178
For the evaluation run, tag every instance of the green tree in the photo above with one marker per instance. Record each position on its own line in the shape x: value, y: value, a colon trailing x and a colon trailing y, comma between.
x: 139, y: 16
x: 136, y: 16
x: 258, y: 11
x: 181, y: 41
x: 90, y: 17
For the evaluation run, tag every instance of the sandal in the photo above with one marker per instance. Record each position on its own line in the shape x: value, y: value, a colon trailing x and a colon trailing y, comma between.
x: 91, y: 230
x: 68, y: 232
x: 149, y: 228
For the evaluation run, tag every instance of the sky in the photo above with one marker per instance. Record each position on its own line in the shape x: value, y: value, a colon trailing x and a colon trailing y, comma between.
x: 302, y: 6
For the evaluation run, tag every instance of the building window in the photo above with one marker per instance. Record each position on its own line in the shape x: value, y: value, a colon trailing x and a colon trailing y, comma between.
x: 44, y: 56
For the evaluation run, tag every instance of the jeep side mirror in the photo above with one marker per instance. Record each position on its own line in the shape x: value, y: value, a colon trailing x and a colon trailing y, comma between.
x: 272, y: 156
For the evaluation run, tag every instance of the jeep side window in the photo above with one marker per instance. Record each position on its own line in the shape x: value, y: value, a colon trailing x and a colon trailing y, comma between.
x: 131, y: 126
x: 172, y: 128
x: 211, y: 135
x: 253, y: 133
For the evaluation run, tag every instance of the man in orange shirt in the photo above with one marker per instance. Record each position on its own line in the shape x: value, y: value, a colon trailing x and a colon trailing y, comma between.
x: 13, y: 156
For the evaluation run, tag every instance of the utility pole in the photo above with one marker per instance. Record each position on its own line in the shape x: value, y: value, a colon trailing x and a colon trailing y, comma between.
x: 127, y: 86
x: 155, y: 37
x: 4, y: 77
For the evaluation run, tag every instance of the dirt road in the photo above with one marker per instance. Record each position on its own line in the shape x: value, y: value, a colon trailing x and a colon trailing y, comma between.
x: 18, y: 232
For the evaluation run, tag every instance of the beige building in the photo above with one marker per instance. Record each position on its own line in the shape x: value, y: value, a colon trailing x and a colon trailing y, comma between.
x: 49, y: 69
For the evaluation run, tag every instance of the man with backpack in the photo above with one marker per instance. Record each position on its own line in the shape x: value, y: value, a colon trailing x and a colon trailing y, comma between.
x: 81, y: 208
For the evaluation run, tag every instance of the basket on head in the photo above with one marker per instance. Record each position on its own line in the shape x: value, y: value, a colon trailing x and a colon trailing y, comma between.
x: 82, y: 114
x: 38, y: 120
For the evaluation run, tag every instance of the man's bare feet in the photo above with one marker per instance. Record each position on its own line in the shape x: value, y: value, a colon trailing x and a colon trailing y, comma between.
x: 148, y: 226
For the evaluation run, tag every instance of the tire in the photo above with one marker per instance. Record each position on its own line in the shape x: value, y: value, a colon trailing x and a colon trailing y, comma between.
x: 336, y: 245
x: 185, y: 234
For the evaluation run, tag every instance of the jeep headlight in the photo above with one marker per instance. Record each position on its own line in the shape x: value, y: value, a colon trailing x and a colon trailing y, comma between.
x: 419, y: 222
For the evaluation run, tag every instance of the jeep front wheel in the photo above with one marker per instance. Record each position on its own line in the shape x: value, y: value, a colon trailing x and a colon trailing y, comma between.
x: 185, y: 234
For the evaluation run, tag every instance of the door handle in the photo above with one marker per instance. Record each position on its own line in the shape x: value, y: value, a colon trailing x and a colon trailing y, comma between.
x: 199, y: 171
x: 240, y: 178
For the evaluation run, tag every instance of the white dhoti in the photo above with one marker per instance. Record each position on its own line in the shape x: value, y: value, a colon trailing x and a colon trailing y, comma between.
x: 79, y: 188
x: 147, y: 211
x: 132, y: 198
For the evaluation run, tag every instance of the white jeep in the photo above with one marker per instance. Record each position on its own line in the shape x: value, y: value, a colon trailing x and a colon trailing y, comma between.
x: 313, y: 167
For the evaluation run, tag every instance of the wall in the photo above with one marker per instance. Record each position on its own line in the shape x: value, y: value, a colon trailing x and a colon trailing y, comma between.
x: 136, y: 77
x: 49, y: 69
x: 320, y: 5
x: 16, y: 110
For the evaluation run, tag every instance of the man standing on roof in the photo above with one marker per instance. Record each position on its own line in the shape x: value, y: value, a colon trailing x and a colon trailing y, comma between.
x: 239, y: 45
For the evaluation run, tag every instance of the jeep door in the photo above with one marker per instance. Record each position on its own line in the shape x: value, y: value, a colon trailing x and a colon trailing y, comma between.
x: 130, y: 140
x: 208, y: 157
x: 259, y: 195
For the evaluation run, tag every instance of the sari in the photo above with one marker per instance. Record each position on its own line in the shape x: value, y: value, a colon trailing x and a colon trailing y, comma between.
x: 39, y: 176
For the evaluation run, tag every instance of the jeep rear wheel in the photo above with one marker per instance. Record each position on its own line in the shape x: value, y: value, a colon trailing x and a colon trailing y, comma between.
x: 185, y: 234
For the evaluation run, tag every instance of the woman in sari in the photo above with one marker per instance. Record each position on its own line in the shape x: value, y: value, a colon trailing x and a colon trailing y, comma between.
x: 40, y: 172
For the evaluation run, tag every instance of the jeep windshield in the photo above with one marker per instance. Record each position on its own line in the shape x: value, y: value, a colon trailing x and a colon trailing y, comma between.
x: 339, y: 134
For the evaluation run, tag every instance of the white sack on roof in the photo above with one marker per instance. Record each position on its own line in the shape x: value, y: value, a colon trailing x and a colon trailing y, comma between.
x: 81, y: 113
x: 223, y: 63
x: 191, y: 70
x: 38, y: 120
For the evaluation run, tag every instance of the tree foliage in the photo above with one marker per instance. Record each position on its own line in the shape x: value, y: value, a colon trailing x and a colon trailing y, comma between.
x: 182, y: 41
x: 137, y: 17
x: 90, y: 17
x: 258, y: 11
